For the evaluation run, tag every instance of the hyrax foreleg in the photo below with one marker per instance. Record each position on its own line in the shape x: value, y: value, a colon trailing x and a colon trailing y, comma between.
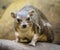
x: 18, y: 39
x: 34, y: 40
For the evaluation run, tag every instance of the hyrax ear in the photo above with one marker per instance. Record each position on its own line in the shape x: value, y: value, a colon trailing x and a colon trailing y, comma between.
x: 31, y: 12
x: 13, y: 14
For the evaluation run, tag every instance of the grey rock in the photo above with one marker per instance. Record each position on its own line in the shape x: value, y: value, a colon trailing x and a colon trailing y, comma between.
x: 11, y: 45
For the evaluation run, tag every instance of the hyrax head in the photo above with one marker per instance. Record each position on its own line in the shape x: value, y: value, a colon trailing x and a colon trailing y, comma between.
x: 23, y: 19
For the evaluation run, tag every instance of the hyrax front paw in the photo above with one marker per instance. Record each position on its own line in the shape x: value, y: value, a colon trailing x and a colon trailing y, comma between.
x: 32, y: 44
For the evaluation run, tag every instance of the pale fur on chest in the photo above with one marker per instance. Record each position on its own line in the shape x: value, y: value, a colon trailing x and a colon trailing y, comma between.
x: 25, y: 34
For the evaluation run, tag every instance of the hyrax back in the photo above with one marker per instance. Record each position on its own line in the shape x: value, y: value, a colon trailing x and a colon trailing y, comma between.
x: 32, y: 25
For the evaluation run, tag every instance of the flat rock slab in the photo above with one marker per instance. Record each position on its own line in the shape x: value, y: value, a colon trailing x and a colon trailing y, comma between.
x: 11, y: 45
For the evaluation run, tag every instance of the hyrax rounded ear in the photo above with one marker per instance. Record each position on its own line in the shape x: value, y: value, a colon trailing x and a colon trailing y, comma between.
x: 13, y: 14
x: 31, y: 12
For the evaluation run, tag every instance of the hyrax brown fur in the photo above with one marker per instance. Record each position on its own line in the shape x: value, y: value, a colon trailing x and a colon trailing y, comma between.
x: 32, y: 25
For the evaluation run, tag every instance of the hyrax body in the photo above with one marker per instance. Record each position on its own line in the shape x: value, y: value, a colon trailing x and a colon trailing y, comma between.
x: 31, y: 25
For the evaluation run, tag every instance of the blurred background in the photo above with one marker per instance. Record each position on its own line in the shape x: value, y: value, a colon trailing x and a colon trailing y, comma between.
x: 51, y: 9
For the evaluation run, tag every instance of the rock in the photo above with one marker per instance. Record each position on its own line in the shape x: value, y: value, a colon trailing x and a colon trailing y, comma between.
x: 51, y: 8
x: 11, y: 45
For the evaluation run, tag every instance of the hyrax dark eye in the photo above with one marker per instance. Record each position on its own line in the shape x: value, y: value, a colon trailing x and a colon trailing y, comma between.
x: 28, y: 19
x: 19, y: 20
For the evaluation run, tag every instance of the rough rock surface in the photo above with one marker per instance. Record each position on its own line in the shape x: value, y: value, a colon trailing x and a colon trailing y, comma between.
x: 51, y: 9
x: 11, y: 45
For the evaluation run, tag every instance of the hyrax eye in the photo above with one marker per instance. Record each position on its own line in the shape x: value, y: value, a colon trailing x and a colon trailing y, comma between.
x: 28, y: 19
x: 19, y: 20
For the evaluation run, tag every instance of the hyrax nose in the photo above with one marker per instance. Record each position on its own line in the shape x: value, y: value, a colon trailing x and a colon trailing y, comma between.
x: 24, y: 26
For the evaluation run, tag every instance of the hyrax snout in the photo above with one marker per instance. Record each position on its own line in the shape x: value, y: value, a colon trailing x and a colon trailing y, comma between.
x: 32, y: 25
